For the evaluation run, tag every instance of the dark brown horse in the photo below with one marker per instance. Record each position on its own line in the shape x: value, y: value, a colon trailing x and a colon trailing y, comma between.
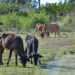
x: 13, y: 43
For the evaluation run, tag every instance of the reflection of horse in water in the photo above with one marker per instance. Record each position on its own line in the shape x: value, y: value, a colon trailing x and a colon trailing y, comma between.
x: 13, y: 43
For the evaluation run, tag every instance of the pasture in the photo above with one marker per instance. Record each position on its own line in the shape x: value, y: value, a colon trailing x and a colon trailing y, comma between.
x: 21, y: 16
x: 51, y: 49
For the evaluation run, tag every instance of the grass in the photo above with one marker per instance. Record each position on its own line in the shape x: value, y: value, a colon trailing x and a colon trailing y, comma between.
x: 47, y: 47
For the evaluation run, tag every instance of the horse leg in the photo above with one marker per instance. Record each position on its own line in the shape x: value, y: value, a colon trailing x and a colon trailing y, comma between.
x: 16, y: 59
x: 31, y: 57
x: 0, y: 58
x: 10, y: 53
x: 1, y: 53
x: 55, y: 34
x: 26, y: 51
x: 31, y: 61
x: 59, y: 34
x: 47, y: 34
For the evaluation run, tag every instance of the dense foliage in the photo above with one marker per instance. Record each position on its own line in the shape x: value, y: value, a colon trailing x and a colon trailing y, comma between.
x: 18, y: 13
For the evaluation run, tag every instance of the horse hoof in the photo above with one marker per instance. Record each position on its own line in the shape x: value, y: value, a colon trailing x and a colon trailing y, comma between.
x: 16, y: 65
x: 31, y: 62
x: 1, y: 63
x: 7, y: 64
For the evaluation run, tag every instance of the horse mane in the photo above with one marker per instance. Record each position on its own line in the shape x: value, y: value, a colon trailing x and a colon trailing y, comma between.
x: 19, y: 43
x: 33, y: 41
x: 4, y: 35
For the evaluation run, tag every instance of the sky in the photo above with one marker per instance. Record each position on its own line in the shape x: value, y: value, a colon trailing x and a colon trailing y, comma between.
x: 50, y: 1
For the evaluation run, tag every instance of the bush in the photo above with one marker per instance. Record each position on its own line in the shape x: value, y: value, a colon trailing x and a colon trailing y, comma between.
x: 32, y: 20
x: 22, y: 13
x: 5, y: 8
x: 65, y: 23
x: 39, y: 18
x: 12, y: 20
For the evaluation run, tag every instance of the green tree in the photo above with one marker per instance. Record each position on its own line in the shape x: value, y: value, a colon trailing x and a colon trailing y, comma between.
x: 21, y: 1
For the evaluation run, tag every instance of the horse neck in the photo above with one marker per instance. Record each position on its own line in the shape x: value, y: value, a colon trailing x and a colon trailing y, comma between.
x: 20, y: 47
x: 21, y: 52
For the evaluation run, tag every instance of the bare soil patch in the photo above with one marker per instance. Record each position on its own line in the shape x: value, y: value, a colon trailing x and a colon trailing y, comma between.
x: 57, y: 42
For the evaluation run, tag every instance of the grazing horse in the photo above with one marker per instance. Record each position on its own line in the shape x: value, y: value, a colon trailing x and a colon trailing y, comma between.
x: 13, y: 43
x: 53, y: 27
x: 32, y: 46
x: 39, y: 27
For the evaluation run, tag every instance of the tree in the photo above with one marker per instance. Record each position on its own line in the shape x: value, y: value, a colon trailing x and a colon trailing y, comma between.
x: 34, y: 3
x: 64, y: 1
x: 39, y: 3
x: 28, y: 2
x: 21, y: 1
x: 72, y: 0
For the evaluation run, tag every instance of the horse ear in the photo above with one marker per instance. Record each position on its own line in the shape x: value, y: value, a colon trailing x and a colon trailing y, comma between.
x: 40, y: 56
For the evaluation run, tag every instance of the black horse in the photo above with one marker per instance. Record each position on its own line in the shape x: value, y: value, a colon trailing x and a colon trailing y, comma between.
x: 32, y: 46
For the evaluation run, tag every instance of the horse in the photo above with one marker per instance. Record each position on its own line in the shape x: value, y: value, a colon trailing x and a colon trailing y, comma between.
x: 50, y: 28
x: 32, y: 45
x: 14, y: 43
x: 39, y: 27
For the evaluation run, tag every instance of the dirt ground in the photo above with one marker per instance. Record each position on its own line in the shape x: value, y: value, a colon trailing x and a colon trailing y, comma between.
x: 65, y: 64
x: 58, y: 42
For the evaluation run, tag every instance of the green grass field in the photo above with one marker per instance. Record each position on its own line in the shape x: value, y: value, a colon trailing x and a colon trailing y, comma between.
x: 48, y: 47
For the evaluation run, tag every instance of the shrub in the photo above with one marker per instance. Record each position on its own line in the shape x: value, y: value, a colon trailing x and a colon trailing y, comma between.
x: 12, y: 20
x: 65, y: 23
x: 3, y: 8
x: 39, y: 18
x: 22, y: 13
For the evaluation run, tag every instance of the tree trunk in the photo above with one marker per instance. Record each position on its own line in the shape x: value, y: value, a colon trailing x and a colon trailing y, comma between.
x: 64, y: 1
x: 39, y: 3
